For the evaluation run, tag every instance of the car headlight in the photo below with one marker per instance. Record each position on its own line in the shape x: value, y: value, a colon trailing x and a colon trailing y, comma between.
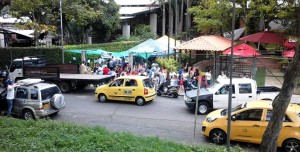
x: 187, y: 99
x: 211, y: 119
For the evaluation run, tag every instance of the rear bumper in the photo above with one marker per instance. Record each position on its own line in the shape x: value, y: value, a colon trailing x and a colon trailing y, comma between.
x: 150, y: 97
x: 44, y: 113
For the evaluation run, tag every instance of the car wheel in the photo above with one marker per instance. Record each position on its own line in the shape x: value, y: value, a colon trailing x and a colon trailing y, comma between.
x: 158, y: 93
x: 175, y: 95
x: 291, y: 145
x: 64, y: 87
x: 217, y: 136
x: 27, y: 114
x: 140, y: 101
x: 102, y: 98
x: 203, y: 108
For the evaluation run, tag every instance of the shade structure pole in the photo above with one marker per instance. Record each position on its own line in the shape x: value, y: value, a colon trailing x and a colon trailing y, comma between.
x: 170, y: 15
x: 230, y: 77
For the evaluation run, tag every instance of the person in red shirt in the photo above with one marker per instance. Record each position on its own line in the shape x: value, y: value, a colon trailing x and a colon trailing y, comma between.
x: 105, y: 71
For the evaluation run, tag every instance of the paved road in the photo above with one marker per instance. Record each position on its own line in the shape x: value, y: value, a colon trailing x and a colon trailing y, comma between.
x: 164, y: 117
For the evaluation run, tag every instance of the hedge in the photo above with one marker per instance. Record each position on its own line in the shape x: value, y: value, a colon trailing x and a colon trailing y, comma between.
x: 53, y: 54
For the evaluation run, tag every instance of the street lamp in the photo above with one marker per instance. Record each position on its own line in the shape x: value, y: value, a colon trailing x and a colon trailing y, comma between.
x: 61, y: 33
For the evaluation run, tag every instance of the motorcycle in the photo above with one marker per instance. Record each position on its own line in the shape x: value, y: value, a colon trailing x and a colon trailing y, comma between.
x: 170, y: 91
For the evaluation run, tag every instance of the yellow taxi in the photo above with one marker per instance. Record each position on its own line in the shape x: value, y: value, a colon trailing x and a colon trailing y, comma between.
x: 249, y: 122
x: 137, y: 89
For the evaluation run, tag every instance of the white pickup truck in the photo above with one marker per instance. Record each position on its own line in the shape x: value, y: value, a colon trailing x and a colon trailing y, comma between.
x: 216, y: 96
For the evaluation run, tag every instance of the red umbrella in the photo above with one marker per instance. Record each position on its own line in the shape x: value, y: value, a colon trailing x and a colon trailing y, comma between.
x: 264, y: 37
x: 289, y: 45
x: 242, y: 50
x: 289, y: 53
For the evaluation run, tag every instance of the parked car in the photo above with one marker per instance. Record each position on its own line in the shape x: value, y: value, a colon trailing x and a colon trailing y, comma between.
x: 137, y: 89
x: 34, y: 99
x: 216, y: 95
x: 249, y: 122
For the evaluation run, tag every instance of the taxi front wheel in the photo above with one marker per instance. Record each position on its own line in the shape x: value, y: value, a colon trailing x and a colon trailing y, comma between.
x: 102, y: 98
x: 217, y: 136
x: 140, y: 101
x: 291, y: 145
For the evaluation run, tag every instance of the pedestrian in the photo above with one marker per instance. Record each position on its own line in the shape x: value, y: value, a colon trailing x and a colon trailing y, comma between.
x: 208, y: 78
x: 222, y: 76
x: 195, y: 76
x: 83, y: 68
x: 10, y: 95
x: 172, y: 74
x: 156, y: 81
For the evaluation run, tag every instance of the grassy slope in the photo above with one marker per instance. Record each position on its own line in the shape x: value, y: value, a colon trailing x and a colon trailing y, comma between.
x: 47, y: 135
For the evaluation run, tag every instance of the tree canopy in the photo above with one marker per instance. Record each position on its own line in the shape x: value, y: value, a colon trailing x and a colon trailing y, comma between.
x: 80, y: 17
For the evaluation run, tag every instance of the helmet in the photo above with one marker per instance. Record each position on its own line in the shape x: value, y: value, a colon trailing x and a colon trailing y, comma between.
x: 10, y: 82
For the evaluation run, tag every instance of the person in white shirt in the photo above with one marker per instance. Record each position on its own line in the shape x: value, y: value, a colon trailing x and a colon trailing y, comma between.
x: 222, y: 76
x: 208, y: 78
x: 172, y: 74
x: 10, y: 95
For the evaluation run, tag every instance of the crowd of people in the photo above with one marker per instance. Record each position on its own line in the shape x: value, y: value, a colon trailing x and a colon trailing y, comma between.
x: 159, y: 75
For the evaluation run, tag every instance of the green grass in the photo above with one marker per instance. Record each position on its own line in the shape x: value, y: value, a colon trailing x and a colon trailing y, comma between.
x: 48, y: 135
x: 260, y: 77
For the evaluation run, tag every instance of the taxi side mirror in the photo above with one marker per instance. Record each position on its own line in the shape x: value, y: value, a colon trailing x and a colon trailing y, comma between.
x: 217, y: 93
x: 233, y: 118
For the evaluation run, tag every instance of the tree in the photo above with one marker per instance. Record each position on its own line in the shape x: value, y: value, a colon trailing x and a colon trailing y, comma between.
x: 212, y: 16
x: 263, y: 12
x: 280, y: 104
x: 4, y: 3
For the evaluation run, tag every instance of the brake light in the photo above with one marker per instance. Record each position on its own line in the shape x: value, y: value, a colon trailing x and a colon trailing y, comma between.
x: 145, y: 91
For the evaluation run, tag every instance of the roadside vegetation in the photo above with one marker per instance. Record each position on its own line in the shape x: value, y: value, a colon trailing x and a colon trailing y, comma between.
x: 47, y: 135
x: 260, y: 77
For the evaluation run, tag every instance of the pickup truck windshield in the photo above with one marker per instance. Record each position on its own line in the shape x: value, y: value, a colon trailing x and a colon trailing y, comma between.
x: 49, y: 92
x: 215, y: 86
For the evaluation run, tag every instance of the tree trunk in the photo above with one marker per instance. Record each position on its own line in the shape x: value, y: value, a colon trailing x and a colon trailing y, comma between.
x: 188, y: 16
x: 164, y: 19
x: 280, y: 104
x: 171, y: 19
x: 181, y: 17
x: 176, y: 17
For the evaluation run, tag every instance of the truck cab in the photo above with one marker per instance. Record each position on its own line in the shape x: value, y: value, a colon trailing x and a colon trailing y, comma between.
x: 216, y: 96
x: 16, y: 68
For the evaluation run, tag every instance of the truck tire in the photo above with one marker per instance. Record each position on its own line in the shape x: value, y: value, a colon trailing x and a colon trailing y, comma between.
x: 65, y: 87
x: 203, y: 108
x: 57, y: 101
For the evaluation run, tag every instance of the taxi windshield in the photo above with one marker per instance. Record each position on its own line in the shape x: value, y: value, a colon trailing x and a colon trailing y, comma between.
x: 239, y: 107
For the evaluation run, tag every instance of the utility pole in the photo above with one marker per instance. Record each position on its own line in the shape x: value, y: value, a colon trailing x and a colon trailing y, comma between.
x: 61, y: 33
x: 230, y: 77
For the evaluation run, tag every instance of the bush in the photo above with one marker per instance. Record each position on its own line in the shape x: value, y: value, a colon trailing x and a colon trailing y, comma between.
x: 43, y: 135
x: 169, y: 63
x: 53, y: 55
x: 111, y: 47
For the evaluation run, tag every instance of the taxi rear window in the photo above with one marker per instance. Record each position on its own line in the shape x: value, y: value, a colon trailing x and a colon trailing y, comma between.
x: 148, y: 83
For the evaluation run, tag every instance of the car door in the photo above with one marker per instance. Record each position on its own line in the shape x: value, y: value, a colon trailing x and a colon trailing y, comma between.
x: 21, y: 99
x: 114, y: 91
x: 247, y: 125
x: 221, y: 97
x: 288, y: 126
x: 130, y: 89
x: 245, y: 93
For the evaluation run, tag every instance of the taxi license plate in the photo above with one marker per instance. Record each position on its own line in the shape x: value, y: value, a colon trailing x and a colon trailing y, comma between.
x: 46, y: 105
